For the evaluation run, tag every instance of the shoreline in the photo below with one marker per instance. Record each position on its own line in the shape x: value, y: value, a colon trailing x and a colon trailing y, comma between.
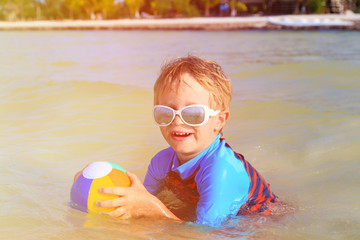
x: 278, y: 22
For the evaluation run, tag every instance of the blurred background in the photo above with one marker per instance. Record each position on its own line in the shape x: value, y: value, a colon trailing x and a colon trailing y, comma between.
x: 15, y: 10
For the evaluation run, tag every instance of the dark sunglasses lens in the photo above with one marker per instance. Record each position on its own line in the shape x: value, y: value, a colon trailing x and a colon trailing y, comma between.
x: 193, y: 115
x: 163, y: 115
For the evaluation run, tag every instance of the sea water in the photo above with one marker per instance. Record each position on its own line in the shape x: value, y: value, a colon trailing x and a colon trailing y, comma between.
x: 68, y: 98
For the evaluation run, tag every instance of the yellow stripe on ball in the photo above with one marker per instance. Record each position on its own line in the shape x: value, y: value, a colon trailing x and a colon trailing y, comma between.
x: 95, y: 196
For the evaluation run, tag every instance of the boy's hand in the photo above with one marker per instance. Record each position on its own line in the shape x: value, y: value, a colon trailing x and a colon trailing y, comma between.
x: 133, y: 202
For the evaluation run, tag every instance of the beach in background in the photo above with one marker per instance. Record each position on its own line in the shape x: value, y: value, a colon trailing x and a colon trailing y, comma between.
x: 349, y: 21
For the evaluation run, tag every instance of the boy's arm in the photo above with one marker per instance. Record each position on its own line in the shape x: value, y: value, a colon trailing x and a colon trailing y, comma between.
x: 223, y: 190
x: 134, y: 202
x: 157, y: 171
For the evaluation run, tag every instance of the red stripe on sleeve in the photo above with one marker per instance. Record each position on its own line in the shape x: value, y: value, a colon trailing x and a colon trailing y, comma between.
x: 260, y: 194
x: 254, y: 185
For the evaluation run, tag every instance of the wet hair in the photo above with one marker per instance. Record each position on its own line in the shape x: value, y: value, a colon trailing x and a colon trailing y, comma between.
x: 208, y: 73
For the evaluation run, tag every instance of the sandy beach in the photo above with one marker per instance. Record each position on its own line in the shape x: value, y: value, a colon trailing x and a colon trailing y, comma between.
x: 348, y: 21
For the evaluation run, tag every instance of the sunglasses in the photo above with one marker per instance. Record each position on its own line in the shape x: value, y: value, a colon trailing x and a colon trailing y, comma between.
x: 193, y: 115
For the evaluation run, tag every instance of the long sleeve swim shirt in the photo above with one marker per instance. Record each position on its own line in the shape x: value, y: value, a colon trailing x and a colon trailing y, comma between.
x: 218, y: 183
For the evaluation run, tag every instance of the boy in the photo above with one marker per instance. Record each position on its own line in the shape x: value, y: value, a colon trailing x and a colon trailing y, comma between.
x: 209, y: 180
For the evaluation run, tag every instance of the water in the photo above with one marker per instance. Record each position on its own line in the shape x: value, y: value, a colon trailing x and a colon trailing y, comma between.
x: 68, y: 98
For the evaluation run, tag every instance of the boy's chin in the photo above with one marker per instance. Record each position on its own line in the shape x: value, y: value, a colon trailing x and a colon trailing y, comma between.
x: 182, y: 148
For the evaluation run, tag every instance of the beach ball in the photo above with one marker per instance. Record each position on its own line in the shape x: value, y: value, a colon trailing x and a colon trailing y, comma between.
x: 85, y: 189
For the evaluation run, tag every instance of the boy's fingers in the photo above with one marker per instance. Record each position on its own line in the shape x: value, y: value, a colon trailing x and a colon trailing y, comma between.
x: 135, y: 181
x: 131, y: 175
x: 133, y: 178
x: 117, y: 202
x: 117, y: 213
x: 120, y: 191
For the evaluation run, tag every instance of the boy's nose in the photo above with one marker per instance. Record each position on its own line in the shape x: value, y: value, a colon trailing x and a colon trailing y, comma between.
x: 177, y: 120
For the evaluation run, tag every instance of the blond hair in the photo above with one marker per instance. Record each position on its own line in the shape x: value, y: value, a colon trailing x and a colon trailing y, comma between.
x: 208, y: 73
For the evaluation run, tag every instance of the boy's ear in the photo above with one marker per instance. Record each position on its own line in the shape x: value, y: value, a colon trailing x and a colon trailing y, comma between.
x: 222, y: 118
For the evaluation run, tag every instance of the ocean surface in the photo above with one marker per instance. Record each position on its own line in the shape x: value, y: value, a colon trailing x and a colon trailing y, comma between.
x: 68, y: 98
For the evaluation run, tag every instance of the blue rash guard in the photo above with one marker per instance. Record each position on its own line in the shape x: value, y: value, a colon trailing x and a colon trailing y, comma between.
x: 214, y: 185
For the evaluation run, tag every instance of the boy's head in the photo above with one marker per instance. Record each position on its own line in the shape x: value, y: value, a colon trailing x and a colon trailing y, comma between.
x: 192, y: 98
x: 209, y: 75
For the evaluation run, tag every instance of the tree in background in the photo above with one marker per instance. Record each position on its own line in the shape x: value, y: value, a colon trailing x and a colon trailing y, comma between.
x: 75, y: 9
x: 105, y: 8
x: 267, y: 6
x: 58, y: 9
x: 134, y: 7
x: 174, y: 8
x: 18, y: 9
x: 13, y: 10
x: 85, y: 9
x: 241, y: 7
x: 185, y: 8
x: 8, y: 10
x: 52, y: 9
x: 207, y: 4
x: 315, y: 6
x: 162, y: 8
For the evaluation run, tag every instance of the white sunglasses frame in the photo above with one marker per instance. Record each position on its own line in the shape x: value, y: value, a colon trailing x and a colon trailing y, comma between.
x: 208, y: 113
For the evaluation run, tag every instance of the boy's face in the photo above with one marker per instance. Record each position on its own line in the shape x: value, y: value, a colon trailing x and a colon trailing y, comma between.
x: 188, y: 141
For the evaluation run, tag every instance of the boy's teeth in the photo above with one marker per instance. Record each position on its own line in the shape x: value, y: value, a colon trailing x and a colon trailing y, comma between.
x: 182, y: 134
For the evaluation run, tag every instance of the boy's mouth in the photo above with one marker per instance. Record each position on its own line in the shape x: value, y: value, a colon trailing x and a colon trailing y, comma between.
x: 180, y: 135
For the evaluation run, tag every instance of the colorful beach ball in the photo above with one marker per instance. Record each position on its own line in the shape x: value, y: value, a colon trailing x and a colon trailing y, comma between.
x: 85, y: 189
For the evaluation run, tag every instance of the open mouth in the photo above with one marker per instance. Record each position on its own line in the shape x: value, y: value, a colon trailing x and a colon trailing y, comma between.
x: 181, y: 134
